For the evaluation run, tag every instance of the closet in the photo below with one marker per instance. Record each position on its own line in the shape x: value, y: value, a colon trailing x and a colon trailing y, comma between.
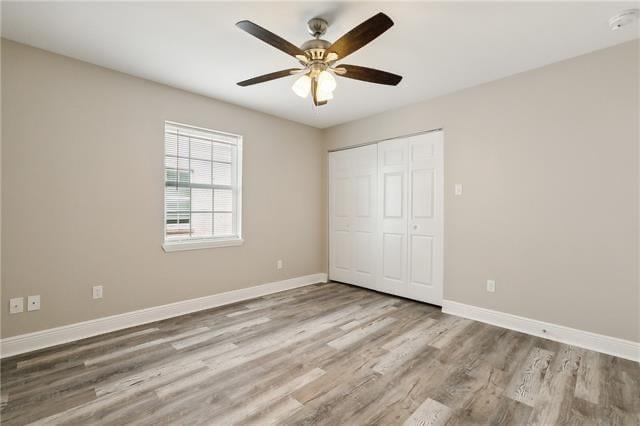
x: 386, y: 216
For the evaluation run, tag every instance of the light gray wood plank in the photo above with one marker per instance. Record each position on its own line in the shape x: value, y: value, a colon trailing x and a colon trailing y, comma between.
x: 268, y: 398
x: 412, y: 343
x: 269, y: 303
x: 121, y: 352
x: 272, y: 342
x: 242, y: 312
x: 203, y: 337
x: 525, y: 385
x: 360, y: 333
x: 449, y: 332
x: 276, y: 414
x: 589, y: 376
x: 370, y: 313
x: 111, y: 399
x: 430, y: 413
x: 191, y: 362
x: 423, y: 330
x: 553, y: 402
x: 50, y: 357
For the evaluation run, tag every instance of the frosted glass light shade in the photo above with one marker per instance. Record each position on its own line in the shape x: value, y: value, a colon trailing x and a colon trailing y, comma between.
x: 302, y: 86
x: 326, y: 82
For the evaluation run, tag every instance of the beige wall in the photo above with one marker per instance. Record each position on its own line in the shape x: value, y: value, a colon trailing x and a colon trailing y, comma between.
x: 548, y: 159
x: 83, y: 193
x: 549, y: 164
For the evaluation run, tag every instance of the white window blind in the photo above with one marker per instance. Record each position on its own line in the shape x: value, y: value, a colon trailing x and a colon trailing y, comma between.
x: 202, y: 189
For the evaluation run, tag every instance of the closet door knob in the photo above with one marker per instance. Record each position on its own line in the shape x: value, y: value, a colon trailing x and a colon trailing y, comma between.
x: 415, y: 226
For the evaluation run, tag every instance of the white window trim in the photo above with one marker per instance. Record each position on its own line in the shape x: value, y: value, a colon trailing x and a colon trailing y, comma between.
x: 201, y: 244
x: 214, y: 242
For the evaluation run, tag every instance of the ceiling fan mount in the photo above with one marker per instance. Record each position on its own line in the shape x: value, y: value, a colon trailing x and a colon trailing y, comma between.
x: 317, y: 27
x: 318, y: 57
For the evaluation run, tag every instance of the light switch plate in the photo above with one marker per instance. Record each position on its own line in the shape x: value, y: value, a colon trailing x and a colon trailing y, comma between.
x: 97, y: 292
x: 16, y: 305
x: 491, y: 286
x: 279, y: 264
x: 458, y: 189
x: 33, y: 303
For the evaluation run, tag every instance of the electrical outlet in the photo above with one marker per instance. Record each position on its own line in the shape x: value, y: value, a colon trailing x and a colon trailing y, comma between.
x: 33, y: 303
x: 458, y: 189
x: 97, y: 292
x: 16, y: 305
x: 491, y: 286
x: 279, y: 264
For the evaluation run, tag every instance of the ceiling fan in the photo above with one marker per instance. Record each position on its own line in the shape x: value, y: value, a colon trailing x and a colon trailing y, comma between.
x: 318, y: 57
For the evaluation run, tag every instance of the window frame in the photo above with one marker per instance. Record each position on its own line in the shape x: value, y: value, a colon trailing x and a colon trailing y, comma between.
x: 236, y: 186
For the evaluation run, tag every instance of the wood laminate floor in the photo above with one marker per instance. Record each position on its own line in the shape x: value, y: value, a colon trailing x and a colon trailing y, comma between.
x: 323, y: 354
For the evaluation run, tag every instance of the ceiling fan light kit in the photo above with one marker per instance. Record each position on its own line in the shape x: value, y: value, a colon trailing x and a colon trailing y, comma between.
x: 318, y: 57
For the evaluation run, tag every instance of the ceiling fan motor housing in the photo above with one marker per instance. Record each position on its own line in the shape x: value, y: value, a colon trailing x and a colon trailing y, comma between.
x: 315, y: 49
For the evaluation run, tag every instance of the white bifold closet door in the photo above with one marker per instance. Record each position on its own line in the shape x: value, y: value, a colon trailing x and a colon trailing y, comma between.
x: 386, y: 216
x: 411, y: 217
x: 353, y: 214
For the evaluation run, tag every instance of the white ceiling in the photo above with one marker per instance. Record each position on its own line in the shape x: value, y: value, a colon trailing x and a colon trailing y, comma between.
x: 438, y: 47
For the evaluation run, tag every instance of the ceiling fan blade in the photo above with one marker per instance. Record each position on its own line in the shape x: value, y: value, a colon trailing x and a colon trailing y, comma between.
x: 272, y: 39
x: 361, y: 35
x: 268, y: 77
x: 369, y: 74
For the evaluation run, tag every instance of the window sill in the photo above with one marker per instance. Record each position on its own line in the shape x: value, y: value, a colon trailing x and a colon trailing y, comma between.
x: 202, y: 244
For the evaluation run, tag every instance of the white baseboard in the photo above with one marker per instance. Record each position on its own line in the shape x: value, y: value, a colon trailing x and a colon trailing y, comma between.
x: 68, y: 333
x: 584, y: 339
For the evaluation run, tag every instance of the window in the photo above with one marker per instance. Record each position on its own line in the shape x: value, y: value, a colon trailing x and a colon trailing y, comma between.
x: 202, y: 188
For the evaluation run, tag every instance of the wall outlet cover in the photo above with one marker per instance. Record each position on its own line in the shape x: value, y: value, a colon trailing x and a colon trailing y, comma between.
x: 458, y: 189
x: 279, y: 264
x: 16, y: 305
x: 33, y: 303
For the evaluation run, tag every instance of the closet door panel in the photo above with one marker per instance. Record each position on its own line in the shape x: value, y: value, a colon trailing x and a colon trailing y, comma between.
x: 364, y: 174
x: 421, y: 263
x: 352, y: 215
x: 425, y: 218
x: 392, y: 249
x: 422, y: 193
x: 392, y: 165
x: 364, y: 255
x: 393, y: 187
x: 340, y: 247
x: 342, y: 251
